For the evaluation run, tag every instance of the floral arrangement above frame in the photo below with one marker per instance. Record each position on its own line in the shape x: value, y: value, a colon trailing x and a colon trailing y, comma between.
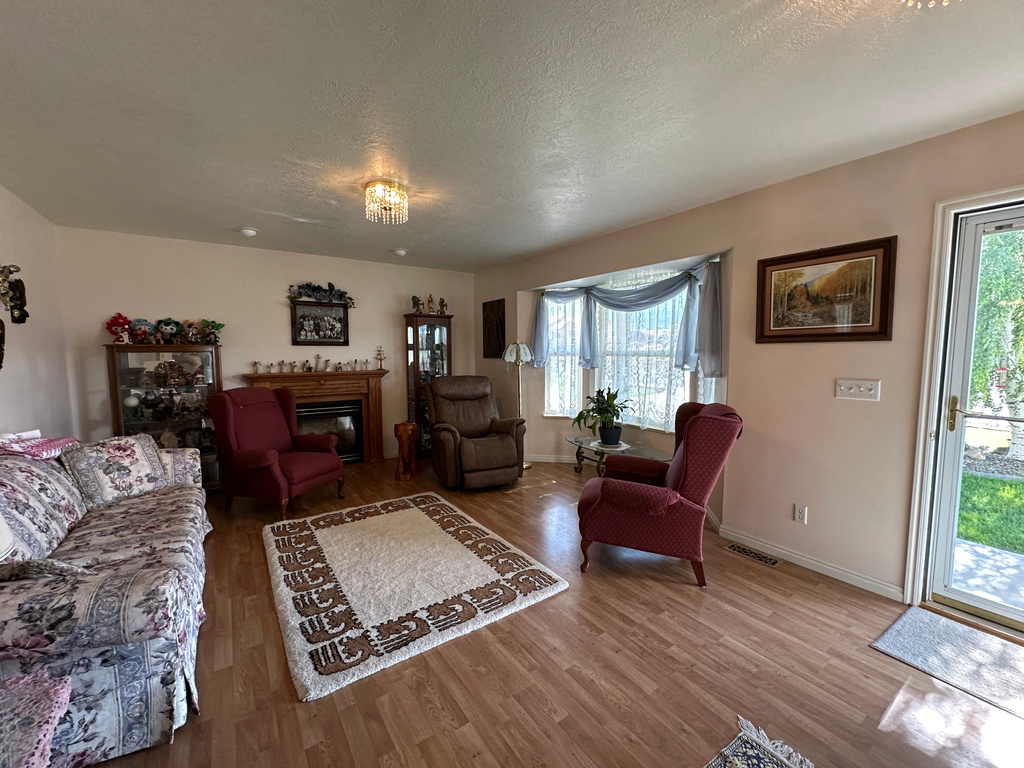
x: 843, y: 293
x: 319, y: 315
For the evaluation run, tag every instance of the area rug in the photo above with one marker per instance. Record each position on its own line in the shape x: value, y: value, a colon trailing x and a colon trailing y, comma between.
x: 360, y: 589
x: 753, y: 749
x: 984, y: 665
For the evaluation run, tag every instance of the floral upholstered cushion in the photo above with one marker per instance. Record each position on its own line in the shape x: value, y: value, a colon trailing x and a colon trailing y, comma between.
x: 39, y: 504
x: 182, y: 466
x: 30, y: 706
x: 115, y: 468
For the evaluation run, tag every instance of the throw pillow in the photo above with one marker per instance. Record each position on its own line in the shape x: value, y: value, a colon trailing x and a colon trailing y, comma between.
x: 36, y: 447
x: 182, y: 466
x: 40, y: 504
x: 115, y: 468
x: 32, y: 569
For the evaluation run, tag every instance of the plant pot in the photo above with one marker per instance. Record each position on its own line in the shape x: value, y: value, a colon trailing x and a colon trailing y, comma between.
x: 610, y: 435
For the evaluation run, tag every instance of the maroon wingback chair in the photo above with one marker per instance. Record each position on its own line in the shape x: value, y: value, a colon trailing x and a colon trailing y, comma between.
x: 657, y: 507
x: 262, y: 454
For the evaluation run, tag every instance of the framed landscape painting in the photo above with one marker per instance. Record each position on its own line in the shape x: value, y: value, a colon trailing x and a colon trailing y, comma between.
x: 843, y: 293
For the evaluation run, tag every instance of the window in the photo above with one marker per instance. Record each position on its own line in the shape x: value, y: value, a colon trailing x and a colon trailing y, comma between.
x: 635, y: 355
x: 563, y: 377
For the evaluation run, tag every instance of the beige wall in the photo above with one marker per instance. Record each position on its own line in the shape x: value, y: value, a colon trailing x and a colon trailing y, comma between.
x: 850, y: 462
x: 245, y: 288
x: 34, y: 389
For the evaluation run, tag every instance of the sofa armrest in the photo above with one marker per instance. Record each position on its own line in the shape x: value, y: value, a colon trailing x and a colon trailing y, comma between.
x: 182, y: 466
x: 254, y: 459
x: 47, y: 617
x: 449, y: 428
x: 507, y: 426
x: 316, y: 443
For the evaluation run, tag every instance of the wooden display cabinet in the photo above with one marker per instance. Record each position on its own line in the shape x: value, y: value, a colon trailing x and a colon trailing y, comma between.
x: 428, y: 341
x: 161, y: 389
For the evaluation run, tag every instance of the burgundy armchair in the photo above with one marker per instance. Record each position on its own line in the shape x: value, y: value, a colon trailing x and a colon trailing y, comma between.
x: 262, y: 454
x: 656, y: 507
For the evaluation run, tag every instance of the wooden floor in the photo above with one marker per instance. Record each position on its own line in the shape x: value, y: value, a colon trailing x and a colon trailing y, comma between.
x: 632, y: 666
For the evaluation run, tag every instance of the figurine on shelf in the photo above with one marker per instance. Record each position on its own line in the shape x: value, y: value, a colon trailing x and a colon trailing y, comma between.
x: 280, y: 366
x: 430, y: 304
x: 327, y: 366
x: 191, y: 333
x: 142, y: 331
x: 199, y: 377
x: 442, y: 307
x: 293, y: 365
x: 270, y: 367
x: 167, y: 329
x: 151, y: 400
x: 417, y: 305
x: 168, y: 439
x: 338, y: 367
x: 132, y: 408
x: 118, y: 327
x: 316, y: 363
x: 255, y: 366
x: 381, y: 357
x: 211, y: 331
x: 306, y: 367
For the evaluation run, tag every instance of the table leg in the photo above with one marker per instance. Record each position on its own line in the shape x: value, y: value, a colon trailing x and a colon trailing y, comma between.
x: 579, y: 460
x: 600, y: 464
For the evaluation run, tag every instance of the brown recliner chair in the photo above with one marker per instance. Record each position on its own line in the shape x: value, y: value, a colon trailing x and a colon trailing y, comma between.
x: 470, y: 446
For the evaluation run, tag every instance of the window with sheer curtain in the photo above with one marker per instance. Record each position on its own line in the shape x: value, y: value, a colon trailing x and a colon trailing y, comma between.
x: 563, y: 377
x: 636, y: 355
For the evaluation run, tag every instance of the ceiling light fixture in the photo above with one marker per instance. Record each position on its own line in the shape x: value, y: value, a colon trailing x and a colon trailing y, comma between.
x: 923, y: 4
x: 400, y: 252
x: 387, y: 201
x: 248, y: 231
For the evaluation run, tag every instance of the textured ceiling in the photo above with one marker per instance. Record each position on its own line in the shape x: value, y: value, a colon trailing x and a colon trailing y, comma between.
x: 517, y: 126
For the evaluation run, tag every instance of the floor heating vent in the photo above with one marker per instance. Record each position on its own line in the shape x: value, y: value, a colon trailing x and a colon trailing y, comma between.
x: 753, y: 554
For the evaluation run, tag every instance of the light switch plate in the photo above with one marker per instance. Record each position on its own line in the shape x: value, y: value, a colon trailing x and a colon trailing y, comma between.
x: 859, y: 389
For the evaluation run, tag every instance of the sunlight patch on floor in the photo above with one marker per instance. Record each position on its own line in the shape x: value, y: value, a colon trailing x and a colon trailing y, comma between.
x: 953, y: 727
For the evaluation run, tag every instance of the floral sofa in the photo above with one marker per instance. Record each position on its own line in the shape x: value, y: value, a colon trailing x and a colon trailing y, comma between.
x: 102, y: 582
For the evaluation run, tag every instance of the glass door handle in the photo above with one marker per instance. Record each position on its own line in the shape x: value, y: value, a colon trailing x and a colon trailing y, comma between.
x: 954, y: 402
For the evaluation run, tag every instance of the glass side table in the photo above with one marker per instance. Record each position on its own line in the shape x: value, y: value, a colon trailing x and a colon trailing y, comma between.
x: 588, y: 444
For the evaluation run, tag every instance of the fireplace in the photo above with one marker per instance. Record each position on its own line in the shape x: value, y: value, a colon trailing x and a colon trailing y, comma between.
x: 362, y: 388
x: 343, y: 418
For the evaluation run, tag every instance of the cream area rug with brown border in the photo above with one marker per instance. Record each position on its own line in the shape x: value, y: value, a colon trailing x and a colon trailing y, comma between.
x: 360, y: 589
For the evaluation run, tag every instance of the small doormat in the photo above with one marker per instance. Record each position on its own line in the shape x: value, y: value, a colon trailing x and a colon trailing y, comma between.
x: 753, y: 749
x: 984, y: 665
x: 360, y: 589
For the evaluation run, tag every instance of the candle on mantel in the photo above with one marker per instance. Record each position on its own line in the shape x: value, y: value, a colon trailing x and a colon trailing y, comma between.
x: 381, y: 357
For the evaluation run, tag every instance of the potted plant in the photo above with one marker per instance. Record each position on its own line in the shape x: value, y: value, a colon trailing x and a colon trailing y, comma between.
x: 600, y: 416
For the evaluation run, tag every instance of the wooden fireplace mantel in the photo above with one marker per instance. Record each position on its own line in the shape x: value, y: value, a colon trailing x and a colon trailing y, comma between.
x: 325, y: 386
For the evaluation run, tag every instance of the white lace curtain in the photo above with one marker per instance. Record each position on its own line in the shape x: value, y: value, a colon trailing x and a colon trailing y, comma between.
x: 563, y: 377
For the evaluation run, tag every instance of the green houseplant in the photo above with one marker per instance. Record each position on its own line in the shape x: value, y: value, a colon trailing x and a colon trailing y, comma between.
x: 601, y: 414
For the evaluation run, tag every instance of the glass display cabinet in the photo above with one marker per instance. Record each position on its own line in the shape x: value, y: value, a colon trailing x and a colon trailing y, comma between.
x: 428, y: 355
x: 162, y: 390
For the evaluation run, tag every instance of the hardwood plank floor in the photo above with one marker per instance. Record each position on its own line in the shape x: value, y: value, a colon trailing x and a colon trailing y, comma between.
x: 632, y: 666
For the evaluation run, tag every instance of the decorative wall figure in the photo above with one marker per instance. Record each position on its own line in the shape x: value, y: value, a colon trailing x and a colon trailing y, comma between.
x: 494, y: 328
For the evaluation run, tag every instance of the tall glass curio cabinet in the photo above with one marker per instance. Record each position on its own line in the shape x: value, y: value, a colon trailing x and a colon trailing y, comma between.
x: 161, y: 389
x: 428, y: 355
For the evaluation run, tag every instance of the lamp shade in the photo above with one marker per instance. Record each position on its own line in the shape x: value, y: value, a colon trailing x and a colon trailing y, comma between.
x: 518, y: 352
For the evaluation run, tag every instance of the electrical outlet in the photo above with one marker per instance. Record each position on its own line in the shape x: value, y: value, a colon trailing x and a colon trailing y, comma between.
x: 800, y: 514
x: 859, y: 389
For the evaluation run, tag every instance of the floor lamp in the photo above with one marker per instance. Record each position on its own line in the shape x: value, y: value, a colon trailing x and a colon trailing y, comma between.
x: 519, y: 352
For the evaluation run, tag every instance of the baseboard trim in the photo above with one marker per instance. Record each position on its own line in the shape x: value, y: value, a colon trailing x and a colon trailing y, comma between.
x: 551, y: 459
x: 716, y: 524
x: 871, y: 584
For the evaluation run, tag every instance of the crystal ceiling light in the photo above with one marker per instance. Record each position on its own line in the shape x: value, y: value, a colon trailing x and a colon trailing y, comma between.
x: 387, y: 201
